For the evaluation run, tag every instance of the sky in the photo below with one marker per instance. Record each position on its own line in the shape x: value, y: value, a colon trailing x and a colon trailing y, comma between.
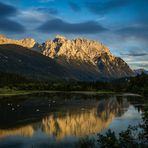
x: 122, y: 25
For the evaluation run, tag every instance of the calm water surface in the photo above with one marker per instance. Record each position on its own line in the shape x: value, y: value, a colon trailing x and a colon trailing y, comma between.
x: 61, y: 119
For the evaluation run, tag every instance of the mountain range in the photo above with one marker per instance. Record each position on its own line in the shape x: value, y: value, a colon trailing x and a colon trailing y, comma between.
x: 61, y: 59
x: 140, y: 71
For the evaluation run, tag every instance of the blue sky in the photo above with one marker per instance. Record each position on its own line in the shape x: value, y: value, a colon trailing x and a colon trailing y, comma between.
x: 122, y: 25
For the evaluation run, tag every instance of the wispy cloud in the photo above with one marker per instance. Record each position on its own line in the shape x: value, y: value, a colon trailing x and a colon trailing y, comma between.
x: 135, y: 54
x: 49, y: 10
x: 45, y: 1
x: 74, y: 6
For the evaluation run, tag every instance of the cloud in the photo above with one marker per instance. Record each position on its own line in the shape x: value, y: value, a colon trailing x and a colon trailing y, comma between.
x: 139, y: 64
x: 137, y: 61
x: 10, y: 1
x: 10, y: 26
x: 60, y: 26
x: 135, y: 54
x: 52, y: 11
x: 7, y: 10
x: 45, y: 1
x: 32, y: 17
x: 137, y: 31
x: 7, y: 24
x: 101, y: 7
x: 75, y: 7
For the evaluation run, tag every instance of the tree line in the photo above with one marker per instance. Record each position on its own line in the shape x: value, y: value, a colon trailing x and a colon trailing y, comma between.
x: 138, y: 84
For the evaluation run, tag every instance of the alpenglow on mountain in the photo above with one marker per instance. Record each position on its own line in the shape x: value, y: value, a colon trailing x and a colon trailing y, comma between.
x: 86, y: 58
x: 61, y: 58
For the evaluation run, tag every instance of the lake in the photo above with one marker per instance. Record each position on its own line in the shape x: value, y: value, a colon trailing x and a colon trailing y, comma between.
x: 62, y: 119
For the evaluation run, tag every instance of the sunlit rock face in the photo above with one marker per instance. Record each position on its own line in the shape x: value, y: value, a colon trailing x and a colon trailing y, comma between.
x: 82, y: 55
x: 27, y: 42
x: 79, y: 49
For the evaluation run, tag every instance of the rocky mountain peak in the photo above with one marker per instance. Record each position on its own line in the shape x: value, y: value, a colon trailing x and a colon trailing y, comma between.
x: 86, y: 55
x: 76, y: 49
x: 27, y: 42
x: 2, y: 36
x: 60, y: 37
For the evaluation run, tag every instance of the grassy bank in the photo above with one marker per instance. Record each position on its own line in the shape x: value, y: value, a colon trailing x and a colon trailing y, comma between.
x: 15, y: 92
x: 11, y: 92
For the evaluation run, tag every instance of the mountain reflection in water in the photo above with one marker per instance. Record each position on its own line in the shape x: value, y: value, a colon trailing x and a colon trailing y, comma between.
x: 76, y: 117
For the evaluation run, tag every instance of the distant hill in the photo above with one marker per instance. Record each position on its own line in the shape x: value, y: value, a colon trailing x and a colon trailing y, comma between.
x: 140, y: 71
x: 20, y: 60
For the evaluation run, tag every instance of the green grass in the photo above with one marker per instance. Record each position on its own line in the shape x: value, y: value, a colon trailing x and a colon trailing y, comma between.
x: 11, y: 92
x: 14, y: 92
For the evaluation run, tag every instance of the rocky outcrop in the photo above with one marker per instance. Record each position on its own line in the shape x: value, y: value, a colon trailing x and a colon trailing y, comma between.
x: 87, y: 58
x: 78, y: 49
x: 27, y: 42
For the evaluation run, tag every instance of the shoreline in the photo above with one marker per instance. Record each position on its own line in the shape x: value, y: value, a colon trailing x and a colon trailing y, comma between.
x: 7, y: 93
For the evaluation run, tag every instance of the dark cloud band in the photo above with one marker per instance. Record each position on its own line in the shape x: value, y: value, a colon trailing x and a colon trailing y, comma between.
x: 137, y: 30
x: 7, y: 10
x: 9, y: 26
x: 135, y: 54
x: 60, y: 26
x: 101, y: 7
